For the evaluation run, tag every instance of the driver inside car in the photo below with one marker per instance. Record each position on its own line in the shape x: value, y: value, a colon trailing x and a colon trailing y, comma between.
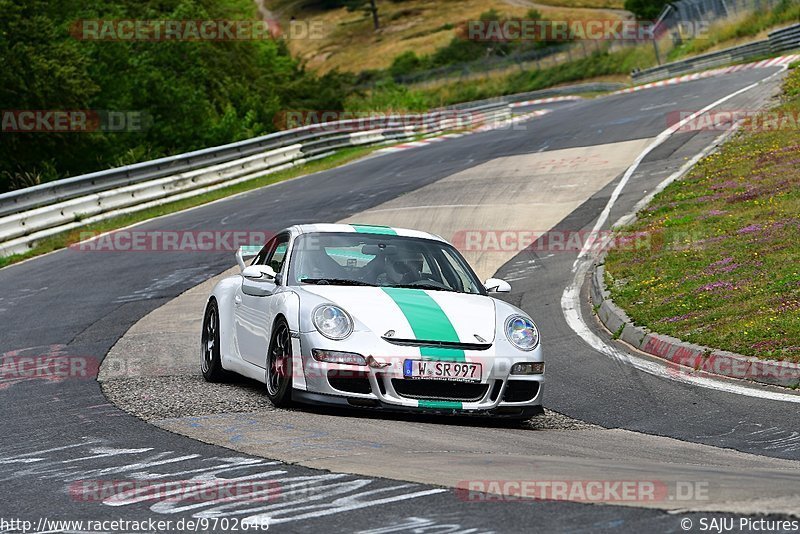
x: 401, y: 269
x: 317, y: 264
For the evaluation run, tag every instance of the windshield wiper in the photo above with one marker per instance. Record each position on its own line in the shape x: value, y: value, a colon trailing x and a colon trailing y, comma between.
x: 426, y: 286
x: 335, y: 282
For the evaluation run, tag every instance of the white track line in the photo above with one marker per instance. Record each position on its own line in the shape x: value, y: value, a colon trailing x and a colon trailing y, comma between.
x: 567, y: 98
x: 659, y: 140
x: 570, y: 299
x: 485, y: 128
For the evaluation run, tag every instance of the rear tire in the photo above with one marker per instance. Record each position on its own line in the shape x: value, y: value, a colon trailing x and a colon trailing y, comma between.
x: 211, y: 362
x: 279, y: 366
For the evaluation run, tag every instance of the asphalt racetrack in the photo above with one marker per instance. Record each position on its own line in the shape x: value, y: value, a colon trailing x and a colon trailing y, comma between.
x: 713, y: 453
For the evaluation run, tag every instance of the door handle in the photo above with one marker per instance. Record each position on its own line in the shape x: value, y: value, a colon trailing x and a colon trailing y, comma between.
x: 237, y: 300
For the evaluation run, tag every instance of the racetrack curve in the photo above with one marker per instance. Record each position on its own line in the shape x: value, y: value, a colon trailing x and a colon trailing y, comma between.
x: 80, y: 304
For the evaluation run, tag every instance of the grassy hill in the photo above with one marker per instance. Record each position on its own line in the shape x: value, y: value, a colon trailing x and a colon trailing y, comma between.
x: 349, y: 42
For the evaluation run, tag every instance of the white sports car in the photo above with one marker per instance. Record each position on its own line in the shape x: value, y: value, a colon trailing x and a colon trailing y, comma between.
x: 372, y: 317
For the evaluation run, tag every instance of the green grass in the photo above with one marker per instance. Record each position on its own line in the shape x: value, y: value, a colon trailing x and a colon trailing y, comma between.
x: 396, y: 97
x: 722, y: 267
x: 593, y: 4
x: 66, y: 239
x: 749, y: 25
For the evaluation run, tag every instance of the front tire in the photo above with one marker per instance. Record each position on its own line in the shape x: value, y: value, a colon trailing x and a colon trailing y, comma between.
x: 211, y: 363
x: 279, y: 366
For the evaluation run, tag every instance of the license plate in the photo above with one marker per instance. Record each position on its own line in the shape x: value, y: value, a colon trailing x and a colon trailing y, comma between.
x: 430, y: 370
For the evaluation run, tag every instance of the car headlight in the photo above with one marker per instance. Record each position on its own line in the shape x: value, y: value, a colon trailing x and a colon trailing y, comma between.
x: 521, y: 332
x: 332, y: 321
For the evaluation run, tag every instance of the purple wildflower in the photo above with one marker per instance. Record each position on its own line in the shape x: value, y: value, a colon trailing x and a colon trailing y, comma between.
x: 677, y: 318
x: 724, y: 265
x: 749, y: 229
x: 714, y: 286
x: 767, y: 344
x: 788, y: 304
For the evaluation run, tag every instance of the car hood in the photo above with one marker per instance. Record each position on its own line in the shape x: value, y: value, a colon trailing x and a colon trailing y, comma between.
x: 415, y: 314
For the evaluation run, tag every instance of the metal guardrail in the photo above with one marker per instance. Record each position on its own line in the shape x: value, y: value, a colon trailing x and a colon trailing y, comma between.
x: 60, y: 190
x: 785, y: 39
x: 31, y: 214
x: 704, y: 61
x: 781, y: 40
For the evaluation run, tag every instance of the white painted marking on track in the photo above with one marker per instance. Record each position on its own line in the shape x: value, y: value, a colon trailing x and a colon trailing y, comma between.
x: 657, y: 106
x: 659, y: 140
x: 148, y: 477
x: 350, y: 506
x: 435, y: 138
x: 570, y: 299
x: 417, y: 525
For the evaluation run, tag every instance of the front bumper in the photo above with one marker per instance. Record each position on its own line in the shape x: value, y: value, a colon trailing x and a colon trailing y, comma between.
x: 497, y: 394
x: 503, y: 412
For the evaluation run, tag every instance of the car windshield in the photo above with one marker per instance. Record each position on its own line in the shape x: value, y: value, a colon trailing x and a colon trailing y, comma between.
x: 362, y: 259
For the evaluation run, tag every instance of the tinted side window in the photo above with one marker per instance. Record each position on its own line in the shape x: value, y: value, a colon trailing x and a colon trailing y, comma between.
x: 261, y: 258
x: 277, y: 256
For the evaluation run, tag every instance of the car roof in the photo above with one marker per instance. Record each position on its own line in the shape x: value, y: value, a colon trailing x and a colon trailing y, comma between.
x: 364, y: 228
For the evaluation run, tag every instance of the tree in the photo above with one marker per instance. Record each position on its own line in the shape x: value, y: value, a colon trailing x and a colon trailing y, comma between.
x: 646, y: 9
x: 189, y: 94
x: 368, y: 6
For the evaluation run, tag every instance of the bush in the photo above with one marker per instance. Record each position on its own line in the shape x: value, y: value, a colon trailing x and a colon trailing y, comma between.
x: 405, y: 64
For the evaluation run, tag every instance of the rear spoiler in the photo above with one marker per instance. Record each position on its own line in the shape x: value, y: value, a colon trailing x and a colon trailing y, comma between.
x: 246, y: 251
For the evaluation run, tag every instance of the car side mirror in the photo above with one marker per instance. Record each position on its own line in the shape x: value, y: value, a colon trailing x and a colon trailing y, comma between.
x: 258, y: 280
x: 259, y: 273
x: 496, y: 285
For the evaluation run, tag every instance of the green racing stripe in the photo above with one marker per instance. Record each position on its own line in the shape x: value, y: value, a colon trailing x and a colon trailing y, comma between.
x: 440, y: 404
x: 373, y: 229
x: 428, y: 322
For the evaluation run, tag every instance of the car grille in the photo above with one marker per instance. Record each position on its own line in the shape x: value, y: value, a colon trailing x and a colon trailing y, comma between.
x: 437, y: 344
x: 439, y: 389
x: 521, y: 390
x: 349, y: 381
